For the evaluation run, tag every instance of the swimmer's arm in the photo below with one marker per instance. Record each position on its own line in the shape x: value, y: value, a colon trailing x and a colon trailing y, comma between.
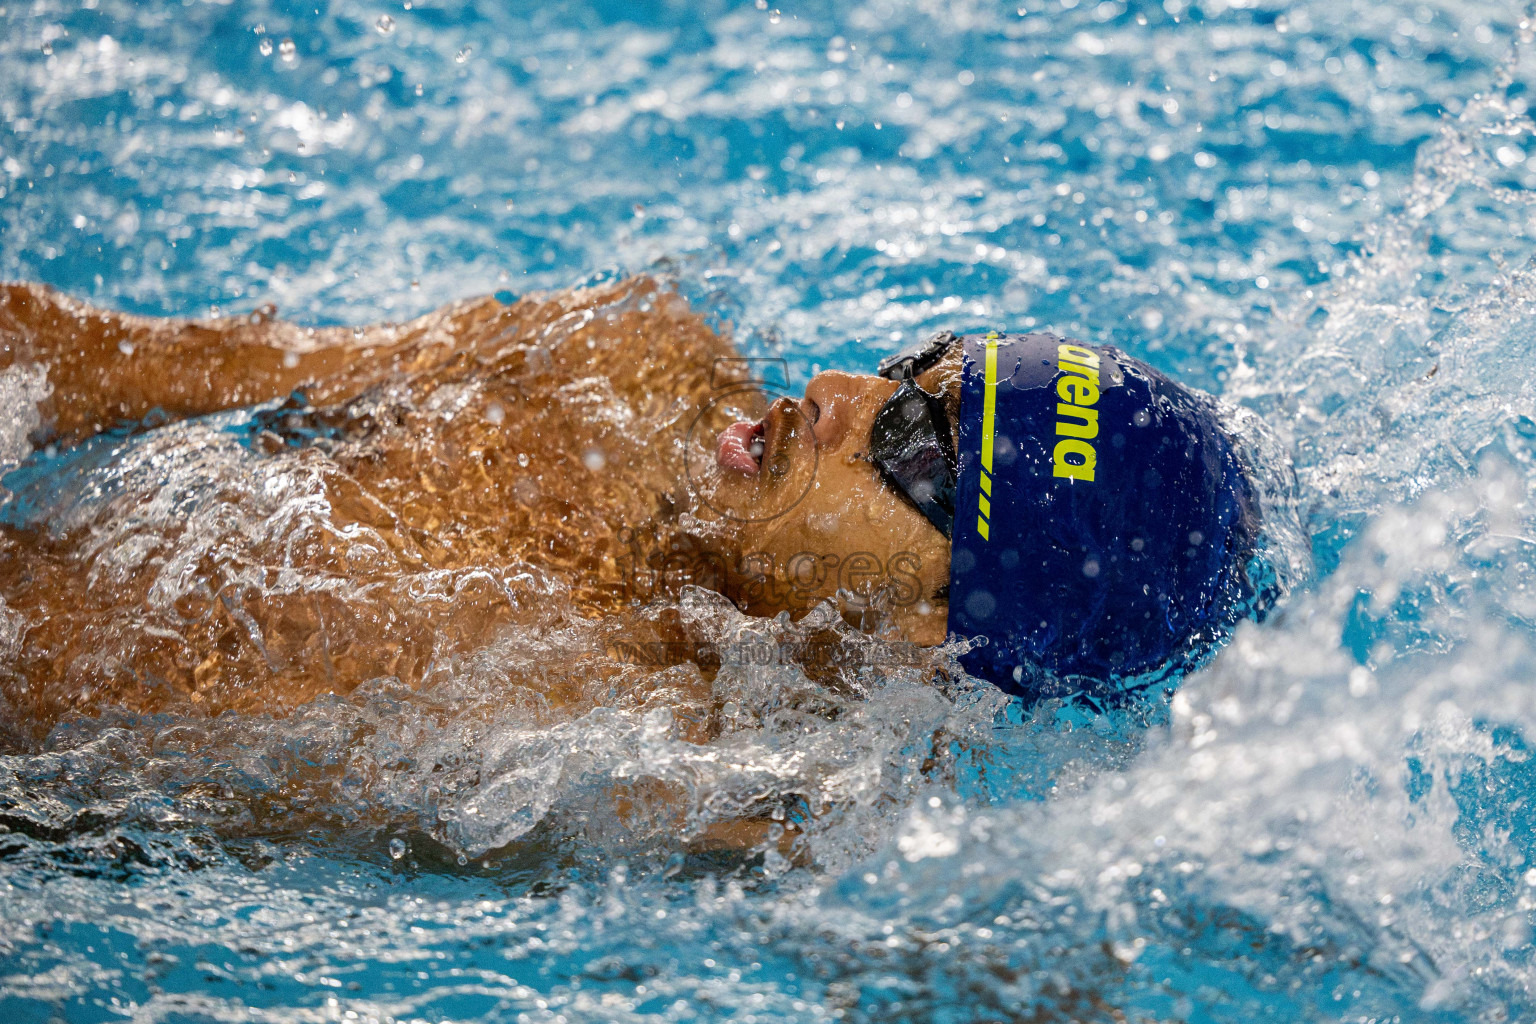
x: 749, y: 835
x: 106, y: 367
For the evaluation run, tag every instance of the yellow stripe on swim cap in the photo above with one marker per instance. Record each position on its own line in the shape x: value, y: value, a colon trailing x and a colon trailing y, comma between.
x: 988, y: 418
x: 989, y: 409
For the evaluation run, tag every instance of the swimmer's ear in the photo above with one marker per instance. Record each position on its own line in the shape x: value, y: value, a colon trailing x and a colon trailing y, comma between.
x: 924, y: 623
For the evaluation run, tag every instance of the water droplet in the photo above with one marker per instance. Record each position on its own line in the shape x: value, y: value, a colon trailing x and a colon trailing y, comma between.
x: 522, y: 459
x: 385, y: 24
x: 464, y: 54
x: 494, y: 413
x: 463, y: 860
x: 396, y: 848
x: 47, y: 49
x: 265, y: 46
x: 1141, y: 418
x: 415, y: 285
x: 288, y: 51
x: 125, y: 347
x: 419, y: 89
x: 594, y: 459
x: 774, y: 17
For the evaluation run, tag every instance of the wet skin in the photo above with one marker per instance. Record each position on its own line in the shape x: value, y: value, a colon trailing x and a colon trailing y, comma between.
x: 478, y: 506
x: 538, y: 443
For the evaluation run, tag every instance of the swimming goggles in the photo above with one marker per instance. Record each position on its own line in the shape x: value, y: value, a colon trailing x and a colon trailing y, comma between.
x: 910, y: 441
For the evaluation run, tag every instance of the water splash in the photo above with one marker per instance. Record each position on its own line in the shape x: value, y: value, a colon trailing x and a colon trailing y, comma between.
x: 1399, y: 374
x: 1320, y: 207
x: 22, y: 387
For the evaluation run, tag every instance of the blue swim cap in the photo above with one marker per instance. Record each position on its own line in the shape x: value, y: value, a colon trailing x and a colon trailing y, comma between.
x: 1103, y: 520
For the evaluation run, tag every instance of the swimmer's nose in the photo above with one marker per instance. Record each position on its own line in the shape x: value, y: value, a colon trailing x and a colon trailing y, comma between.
x: 836, y: 403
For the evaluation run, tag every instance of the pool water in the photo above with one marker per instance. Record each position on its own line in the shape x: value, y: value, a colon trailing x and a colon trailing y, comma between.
x: 1323, y: 211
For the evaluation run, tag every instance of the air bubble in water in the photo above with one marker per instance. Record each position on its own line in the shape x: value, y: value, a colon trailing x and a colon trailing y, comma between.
x: 265, y: 46
x: 396, y: 849
x: 288, y: 51
x: 385, y: 24
x: 464, y: 54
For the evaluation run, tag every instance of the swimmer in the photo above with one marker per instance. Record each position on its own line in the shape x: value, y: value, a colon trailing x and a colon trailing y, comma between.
x: 241, y: 513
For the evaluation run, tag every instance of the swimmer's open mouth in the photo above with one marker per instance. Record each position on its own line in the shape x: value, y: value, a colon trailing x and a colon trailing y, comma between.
x: 740, y: 448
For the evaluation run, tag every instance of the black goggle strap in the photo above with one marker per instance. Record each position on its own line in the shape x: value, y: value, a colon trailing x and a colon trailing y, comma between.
x: 913, y: 361
x: 909, y: 443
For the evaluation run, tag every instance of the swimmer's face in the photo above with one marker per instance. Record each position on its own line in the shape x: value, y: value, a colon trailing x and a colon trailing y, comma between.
x: 814, y: 519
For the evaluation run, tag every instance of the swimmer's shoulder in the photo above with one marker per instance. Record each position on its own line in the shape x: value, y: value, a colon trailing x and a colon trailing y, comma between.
x: 639, y: 334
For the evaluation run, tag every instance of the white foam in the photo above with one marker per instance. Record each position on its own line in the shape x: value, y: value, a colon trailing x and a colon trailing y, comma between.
x: 22, y: 387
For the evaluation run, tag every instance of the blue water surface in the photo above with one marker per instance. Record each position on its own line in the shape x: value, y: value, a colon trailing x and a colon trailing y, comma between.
x: 1323, y: 211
